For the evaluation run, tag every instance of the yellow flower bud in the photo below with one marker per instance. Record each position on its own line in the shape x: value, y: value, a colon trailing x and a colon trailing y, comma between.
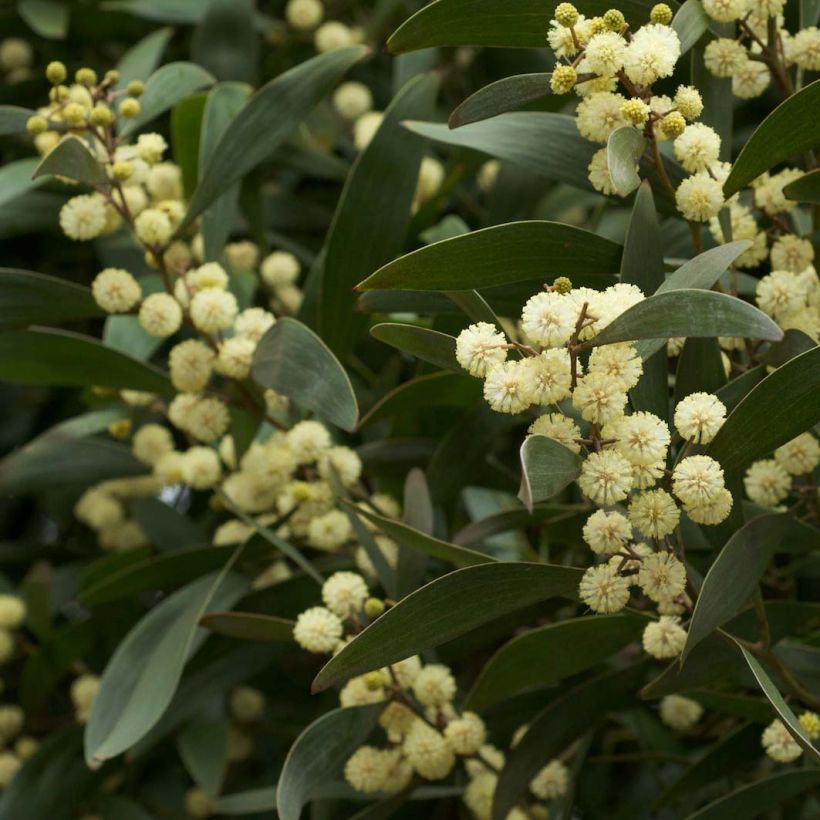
x: 374, y: 681
x: 562, y: 284
x: 86, y: 76
x: 635, y: 111
x: 566, y: 14
x: 101, y: 115
x: 120, y: 429
x: 129, y: 108
x: 614, y: 20
x: 122, y: 170
x: 112, y: 76
x: 58, y: 93
x: 56, y: 72
x: 597, y: 26
x: 135, y: 88
x: 673, y: 124
x: 661, y: 13
x: 373, y: 607
x: 563, y: 79
x: 74, y: 115
x: 36, y: 125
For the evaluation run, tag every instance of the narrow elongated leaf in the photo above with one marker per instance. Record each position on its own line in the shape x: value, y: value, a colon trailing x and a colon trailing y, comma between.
x: 773, y: 412
x: 546, y: 468
x: 295, y: 362
x: 502, y: 23
x: 428, y: 345
x: 624, y: 150
x: 28, y: 298
x: 699, y: 313
x: 57, y: 357
x: 551, y: 653
x: 16, y: 178
x: 734, y: 576
x: 780, y: 706
x: 266, y: 122
x: 790, y: 129
x: 249, y: 626
x: 71, y: 158
x: 434, y: 547
x: 446, y: 608
x: 373, y: 214
x: 563, y: 721
x: 13, y: 119
x: 499, y: 255
x: 165, y: 88
x: 225, y: 42
x: 704, y: 269
x: 805, y: 189
x: 690, y: 22
x: 758, y: 797
x: 139, y: 62
x: 501, y: 96
x: 252, y: 801
x: 48, y: 18
x: 203, y: 747
x: 319, y: 754
x: 144, y: 672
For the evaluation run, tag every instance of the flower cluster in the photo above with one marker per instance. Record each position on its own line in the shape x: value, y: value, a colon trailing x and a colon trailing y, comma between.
x: 777, y: 740
x: 424, y: 733
x: 791, y: 294
x: 769, y: 482
x: 16, y: 59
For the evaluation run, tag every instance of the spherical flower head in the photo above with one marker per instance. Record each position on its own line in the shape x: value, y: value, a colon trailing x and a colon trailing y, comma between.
x: 697, y: 147
x: 654, y: 513
x: 800, y: 455
x: 652, y: 54
x: 725, y: 11
x: 479, y: 347
x: 466, y: 734
x: 12, y: 611
x: 559, y: 428
x: 160, y: 315
x: 168, y: 468
x: 699, y: 416
x: 388, y: 548
x: 56, y: 72
x: 431, y: 175
x: 673, y: 124
x: 507, y: 387
x: 434, y: 685
x: 307, y: 440
x: 635, y: 112
x: 805, y: 49
x: 621, y: 361
x: 236, y: 357
x: 614, y: 20
x: 767, y: 483
x: 563, y: 79
x: 790, y: 252
x: 680, y: 713
x: 213, y: 310
x: 599, y: 397
x: 209, y: 275
x: 641, y: 438
x: 342, y: 461
x: 357, y: 692
x: 98, y: 510
x: 332, y: 35
x: 201, y: 468
x: 253, y: 323
x: 344, y: 593
x: 367, y: 768
x: 606, y: 477
x: 713, y: 511
x: 605, y: 53
x: 243, y: 255
x: 778, y: 743
x: 83, y: 692
x: 662, y: 576
x: 330, y: 531
x: 810, y: 723
x: 208, y: 420
x: 304, y: 15
x: 724, y: 56
x: 603, y: 590
x: 750, y: 79
x: 247, y: 704
x: 115, y: 290
x: 428, y: 752
x: 151, y: 442
x: 547, y: 377
x: 153, y: 227
x: 9, y: 766
x: 488, y: 174
x: 606, y: 532
x: 36, y: 125
x: 198, y: 803
x: 780, y: 294
x: 599, y: 114
x: 566, y: 14
x: 689, y: 102
x: 190, y: 363
x: 83, y: 217
x: 551, y: 782
x: 661, y: 14
x: 478, y: 796
x: 365, y: 128
x: 598, y: 173
x: 664, y: 638
x: 318, y: 630
x: 352, y: 99
x: 151, y: 147
x: 11, y: 721
x: 548, y: 319
x: 699, y: 197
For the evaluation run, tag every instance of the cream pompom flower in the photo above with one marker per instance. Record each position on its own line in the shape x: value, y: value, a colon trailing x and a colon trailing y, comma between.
x: 213, y: 309
x: 153, y: 227
x: 713, y: 511
x: 352, y: 99
x: 606, y: 532
x: 344, y: 593
x: 434, y: 685
x: 605, y: 53
x: 750, y: 79
x: 428, y: 752
x: 598, y: 173
x: 724, y: 56
x: 83, y: 217
x: 201, y: 468
x: 307, y: 440
x: 599, y: 114
x: 779, y: 744
x: 466, y: 734
x: 697, y: 480
x: 480, y: 347
x: 606, y: 477
x: 547, y: 377
x: 12, y: 611
x: 652, y: 54
x: 641, y: 438
x: 697, y: 147
x: 160, y: 315
x: 548, y: 319
x: 507, y: 387
x: 318, y: 630
x: 662, y: 576
x: 603, y: 590
x: 664, y: 638
x: 599, y: 397
x: 767, y: 483
x: 551, y: 782
x: 115, y: 290
x: 367, y: 768
x: 621, y: 361
x: 699, y: 197
x: 806, y: 48
x: 800, y: 455
x: 190, y: 363
x: 236, y: 357
x: 654, y: 513
x: 680, y: 713
x: 781, y: 293
x: 329, y: 531
x: 790, y: 252
x: 699, y: 416
x: 725, y: 11
x: 559, y: 428
x: 208, y: 419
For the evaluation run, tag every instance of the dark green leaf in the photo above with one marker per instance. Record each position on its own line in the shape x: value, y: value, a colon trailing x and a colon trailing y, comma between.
x: 624, y: 150
x: 28, y: 298
x: 186, y: 135
x: 139, y: 62
x: 805, y: 189
x: 700, y: 368
x: 546, y: 468
x: 503, y: 95
x: 446, y: 608
x: 773, y: 412
x: 295, y: 362
x: 690, y: 22
x: 249, y: 802
x: 319, y: 754
x: 203, y: 747
x: 249, y: 626
x: 267, y: 120
x: 16, y: 178
x: 140, y: 679
x: 373, y: 214
x: 428, y: 345
x: 552, y: 653
x: 225, y: 42
x: 48, y: 18
x: 734, y: 576
x: 13, y: 119
x: 790, y: 129
x: 71, y: 158
x: 57, y: 357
